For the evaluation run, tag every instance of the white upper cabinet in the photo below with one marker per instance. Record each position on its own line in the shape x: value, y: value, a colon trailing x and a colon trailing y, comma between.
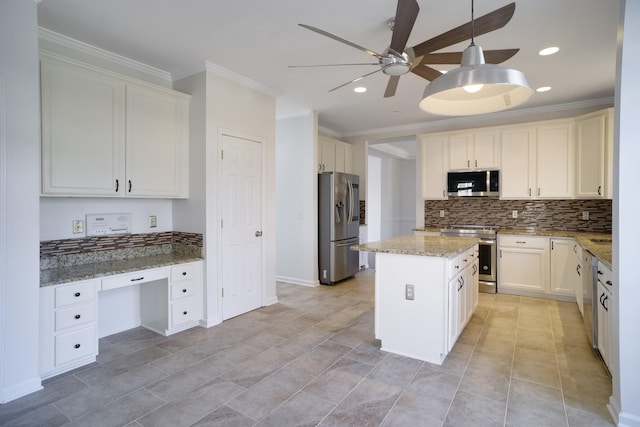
x: 157, y: 123
x: 554, y: 160
x: 434, y: 150
x: 83, y: 131
x: 334, y: 156
x: 106, y: 135
x: 537, y: 161
x: 474, y: 150
x: 594, y: 148
x: 517, y: 172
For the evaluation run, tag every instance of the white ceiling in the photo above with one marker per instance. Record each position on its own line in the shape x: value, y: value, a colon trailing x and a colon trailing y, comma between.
x: 258, y: 39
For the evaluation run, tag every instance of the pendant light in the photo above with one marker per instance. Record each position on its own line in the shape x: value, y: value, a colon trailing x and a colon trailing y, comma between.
x: 475, y: 87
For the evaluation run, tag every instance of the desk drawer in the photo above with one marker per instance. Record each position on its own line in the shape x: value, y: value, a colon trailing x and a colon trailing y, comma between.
x: 183, y: 272
x: 184, y: 311
x: 74, y: 294
x: 75, y: 345
x: 75, y: 316
x: 122, y: 280
x: 183, y: 290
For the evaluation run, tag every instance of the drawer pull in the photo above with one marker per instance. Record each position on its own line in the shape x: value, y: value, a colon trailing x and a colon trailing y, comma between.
x: 184, y: 291
x: 184, y: 273
x: 77, y: 316
x: 608, y: 282
x: 77, y: 346
x: 77, y: 294
x: 521, y: 242
x: 184, y: 312
x: 138, y: 279
x: 600, y: 272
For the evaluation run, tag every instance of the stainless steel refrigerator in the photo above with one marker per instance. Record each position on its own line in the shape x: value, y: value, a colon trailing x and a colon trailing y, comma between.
x: 338, y: 224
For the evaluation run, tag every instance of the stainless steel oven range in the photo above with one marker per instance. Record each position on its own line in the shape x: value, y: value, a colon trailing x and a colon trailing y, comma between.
x: 487, y: 252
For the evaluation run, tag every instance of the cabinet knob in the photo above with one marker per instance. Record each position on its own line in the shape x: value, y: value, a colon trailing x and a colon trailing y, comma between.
x: 184, y: 273
x: 184, y: 290
x: 77, y: 346
x: 184, y: 312
x: 77, y: 294
x: 77, y: 316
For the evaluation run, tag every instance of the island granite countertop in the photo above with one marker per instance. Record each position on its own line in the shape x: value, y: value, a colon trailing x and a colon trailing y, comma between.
x: 434, y: 246
x: 56, y: 276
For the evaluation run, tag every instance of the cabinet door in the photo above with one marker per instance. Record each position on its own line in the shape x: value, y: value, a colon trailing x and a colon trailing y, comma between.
x: 459, y: 155
x: 453, y: 321
x: 327, y: 155
x: 517, y: 171
x: 82, y: 131
x: 563, y: 272
x: 340, y: 164
x: 554, y: 156
x: 523, y: 269
x: 157, y: 142
x: 348, y: 158
x: 604, y: 303
x: 590, y: 156
x: 434, y: 151
x: 486, y: 150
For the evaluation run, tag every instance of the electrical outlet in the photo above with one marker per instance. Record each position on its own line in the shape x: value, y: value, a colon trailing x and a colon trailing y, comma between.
x: 442, y: 213
x: 409, y: 292
x: 153, y: 221
x: 585, y: 215
x: 514, y: 214
x: 77, y: 226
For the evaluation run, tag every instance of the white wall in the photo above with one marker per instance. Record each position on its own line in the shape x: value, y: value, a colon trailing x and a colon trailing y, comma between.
x: 19, y: 189
x: 625, y: 402
x: 221, y: 103
x: 56, y: 214
x: 296, y: 200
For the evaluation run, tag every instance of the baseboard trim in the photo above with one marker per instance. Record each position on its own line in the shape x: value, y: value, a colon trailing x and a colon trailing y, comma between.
x: 19, y: 390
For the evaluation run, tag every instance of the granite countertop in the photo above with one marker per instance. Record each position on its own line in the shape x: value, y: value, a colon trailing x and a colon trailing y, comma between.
x: 434, y: 246
x: 56, y: 276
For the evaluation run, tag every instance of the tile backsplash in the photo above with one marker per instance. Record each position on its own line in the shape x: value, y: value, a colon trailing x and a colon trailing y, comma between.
x: 532, y: 214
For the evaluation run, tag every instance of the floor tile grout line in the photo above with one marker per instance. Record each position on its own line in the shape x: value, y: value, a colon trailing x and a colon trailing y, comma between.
x: 555, y: 353
x: 513, y: 356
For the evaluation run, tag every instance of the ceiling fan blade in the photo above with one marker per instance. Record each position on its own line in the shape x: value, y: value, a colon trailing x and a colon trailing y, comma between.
x: 485, y: 24
x: 341, y: 40
x: 355, y: 80
x: 406, y: 14
x: 490, y: 56
x: 331, y: 65
x: 426, y: 72
x: 392, y: 85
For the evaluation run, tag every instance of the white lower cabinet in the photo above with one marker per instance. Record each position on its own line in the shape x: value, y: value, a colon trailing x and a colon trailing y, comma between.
x: 563, y: 267
x: 171, y: 301
x: 68, y: 326
x: 523, y: 264
x: 462, y: 293
x: 605, y: 309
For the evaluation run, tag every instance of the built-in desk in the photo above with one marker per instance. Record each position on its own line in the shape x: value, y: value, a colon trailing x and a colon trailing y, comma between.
x: 170, y: 301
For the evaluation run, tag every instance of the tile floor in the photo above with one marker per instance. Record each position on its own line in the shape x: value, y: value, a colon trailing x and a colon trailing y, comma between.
x: 311, y: 359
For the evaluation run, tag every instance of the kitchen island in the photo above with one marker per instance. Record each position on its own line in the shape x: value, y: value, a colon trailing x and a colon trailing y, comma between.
x: 426, y: 289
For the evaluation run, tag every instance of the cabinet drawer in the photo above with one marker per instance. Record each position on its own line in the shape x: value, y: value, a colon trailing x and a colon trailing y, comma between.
x: 524, y: 241
x: 183, y: 272
x: 75, y: 345
x: 455, y: 266
x: 183, y: 289
x: 74, y: 294
x: 184, y: 311
x: 136, y: 278
x: 75, y: 316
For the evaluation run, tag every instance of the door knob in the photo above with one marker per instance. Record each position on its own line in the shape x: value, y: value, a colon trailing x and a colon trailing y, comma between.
x: 258, y: 233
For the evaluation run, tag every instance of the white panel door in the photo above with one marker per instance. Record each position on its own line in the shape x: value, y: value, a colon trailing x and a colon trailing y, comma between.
x: 241, y: 200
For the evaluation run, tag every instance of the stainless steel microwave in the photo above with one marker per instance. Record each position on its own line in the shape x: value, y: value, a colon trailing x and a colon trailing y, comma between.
x: 484, y: 183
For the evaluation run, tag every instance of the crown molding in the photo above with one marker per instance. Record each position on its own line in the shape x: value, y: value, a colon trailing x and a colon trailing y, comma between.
x: 502, y: 117
x: 228, y: 74
x: 85, y: 48
x: 294, y: 114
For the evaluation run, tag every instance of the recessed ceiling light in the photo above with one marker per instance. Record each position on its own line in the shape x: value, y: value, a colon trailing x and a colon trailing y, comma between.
x: 543, y: 89
x: 360, y: 89
x: 549, y: 51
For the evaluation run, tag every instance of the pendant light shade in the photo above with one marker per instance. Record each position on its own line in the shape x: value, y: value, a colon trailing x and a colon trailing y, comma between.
x: 475, y: 87
x: 496, y: 88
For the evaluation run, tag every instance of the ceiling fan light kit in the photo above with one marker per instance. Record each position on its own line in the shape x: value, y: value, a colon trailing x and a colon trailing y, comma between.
x: 496, y: 88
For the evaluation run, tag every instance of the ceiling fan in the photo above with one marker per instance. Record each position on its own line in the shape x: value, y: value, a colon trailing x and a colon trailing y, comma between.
x: 398, y: 59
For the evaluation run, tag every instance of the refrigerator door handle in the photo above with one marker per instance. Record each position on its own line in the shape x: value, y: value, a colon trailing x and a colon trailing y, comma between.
x: 349, y: 243
x: 350, y: 201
